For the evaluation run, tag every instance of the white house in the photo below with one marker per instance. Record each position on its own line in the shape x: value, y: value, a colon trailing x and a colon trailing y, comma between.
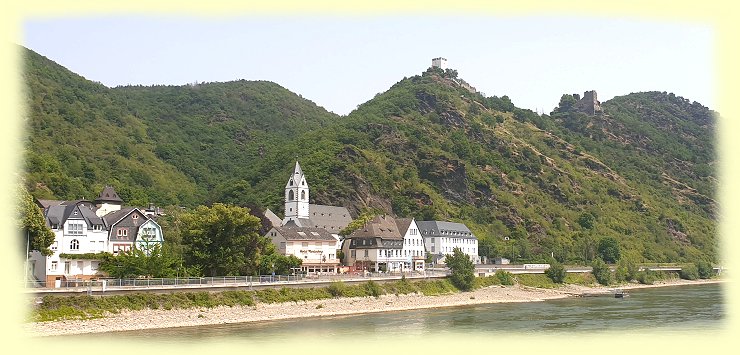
x: 316, y: 247
x: 80, y: 232
x: 413, y: 244
x: 440, y: 238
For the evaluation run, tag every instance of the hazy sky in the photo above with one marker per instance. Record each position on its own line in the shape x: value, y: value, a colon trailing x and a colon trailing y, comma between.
x: 341, y: 62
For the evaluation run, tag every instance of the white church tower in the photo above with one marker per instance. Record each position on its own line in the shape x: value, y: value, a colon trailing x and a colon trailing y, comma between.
x: 296, y: 196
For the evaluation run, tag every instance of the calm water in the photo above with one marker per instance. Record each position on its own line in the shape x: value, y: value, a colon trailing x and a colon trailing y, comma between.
x: 685, y: 308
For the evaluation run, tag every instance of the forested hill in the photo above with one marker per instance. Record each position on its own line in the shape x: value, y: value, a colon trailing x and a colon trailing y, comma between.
x: 642, y: 172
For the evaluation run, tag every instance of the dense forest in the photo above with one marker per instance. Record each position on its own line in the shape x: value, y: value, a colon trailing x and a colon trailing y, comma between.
x: 530, y: 186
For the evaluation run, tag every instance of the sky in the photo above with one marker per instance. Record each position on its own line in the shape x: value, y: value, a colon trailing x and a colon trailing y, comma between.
x: 340, y: 62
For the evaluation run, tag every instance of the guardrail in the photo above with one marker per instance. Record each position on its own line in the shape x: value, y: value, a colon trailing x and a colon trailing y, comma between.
x: 224, y: 281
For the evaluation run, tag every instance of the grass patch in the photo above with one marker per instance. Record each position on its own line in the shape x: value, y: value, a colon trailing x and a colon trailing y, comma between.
x: 535, y: 280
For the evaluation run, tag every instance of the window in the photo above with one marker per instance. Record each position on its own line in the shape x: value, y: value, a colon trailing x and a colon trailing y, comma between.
x: 74, y: 245
x: 366, y: 253
x: 331, y: 256
x: 54, y: 246
x: 282, y: 245
x: 80, y: 266
x: 94, y: 265
x: 353, y: 254
x: 135, y: 217
x: 122, y: 232
x: 74, y: 229
x: 432, y: 248
x: 54, y: 266
x: 303, y: 195
x: 291, y: 195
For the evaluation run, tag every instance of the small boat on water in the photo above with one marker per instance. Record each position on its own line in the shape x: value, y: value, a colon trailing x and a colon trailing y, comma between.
x: 620, y: 294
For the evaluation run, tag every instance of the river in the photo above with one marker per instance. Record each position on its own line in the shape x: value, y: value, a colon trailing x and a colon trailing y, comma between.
x: 667, y: 309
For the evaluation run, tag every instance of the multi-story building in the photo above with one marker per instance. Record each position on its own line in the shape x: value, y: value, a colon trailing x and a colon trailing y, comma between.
x: 316, y: 247
x: 376, y: 246
x: 413, y: 245
x: 440, y: 238
x: 81, y: 231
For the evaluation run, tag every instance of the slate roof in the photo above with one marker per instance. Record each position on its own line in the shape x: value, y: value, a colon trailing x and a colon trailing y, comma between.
x: 108, y: 195
x: 331, y: 218
x: 403, y: 225
x: 291, y: 231
x: 444, y: 229
x: 380, y: 226
x: 381, y: 233
x: 273, y: 218
x: 59, y: 213
x: 296, y: 177
x: 115, y: 216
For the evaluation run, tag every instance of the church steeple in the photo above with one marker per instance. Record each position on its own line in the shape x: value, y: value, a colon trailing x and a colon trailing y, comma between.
x: 296, y: 195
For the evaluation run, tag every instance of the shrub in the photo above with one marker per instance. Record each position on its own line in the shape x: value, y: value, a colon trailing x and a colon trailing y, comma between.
x: 556, y: 272
x: 505, y: 277
x: 646, y: 277
x: 601, y: 272
x: 337, y: 288
x: 705, y: 269
x: 372, y: 289
x: 689, y: 272
x: 435, y: 287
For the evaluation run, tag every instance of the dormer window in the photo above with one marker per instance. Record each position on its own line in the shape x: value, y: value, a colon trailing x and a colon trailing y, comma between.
x: 291, y: 182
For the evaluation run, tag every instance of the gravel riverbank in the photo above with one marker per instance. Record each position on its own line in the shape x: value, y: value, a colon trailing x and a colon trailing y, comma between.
x: 147, y: 319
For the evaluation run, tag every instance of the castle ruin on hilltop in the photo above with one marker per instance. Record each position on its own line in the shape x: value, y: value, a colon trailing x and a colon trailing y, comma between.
x: 588, y: 104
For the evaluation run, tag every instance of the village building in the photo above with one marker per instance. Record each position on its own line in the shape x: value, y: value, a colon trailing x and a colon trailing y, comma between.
x: 441, y: 238
x: 82, y: 230
x: 316, y: 247
x: 376, y: 246
x: 413, y: 245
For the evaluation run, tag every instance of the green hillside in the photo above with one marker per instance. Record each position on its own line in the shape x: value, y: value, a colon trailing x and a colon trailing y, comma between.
x: 642, y: 172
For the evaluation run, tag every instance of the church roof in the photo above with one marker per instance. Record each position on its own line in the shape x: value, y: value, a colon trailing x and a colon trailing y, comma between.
x: 273, y: 218
x: 297, y: 177
x: 331, y: 218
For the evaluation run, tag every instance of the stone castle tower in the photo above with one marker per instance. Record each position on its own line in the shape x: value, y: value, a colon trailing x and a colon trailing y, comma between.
x: 588, y: 104
x: 296, y: 195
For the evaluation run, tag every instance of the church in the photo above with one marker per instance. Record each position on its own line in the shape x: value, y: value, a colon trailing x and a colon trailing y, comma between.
x: 308, y: 231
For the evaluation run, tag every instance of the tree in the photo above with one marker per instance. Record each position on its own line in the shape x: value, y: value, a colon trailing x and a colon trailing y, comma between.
x: 31, y: 221
x: 279, y: 264
x: 609, y: 249
x: 601, y: 272
x: 151, y: 261
x: 222, y: 240
x: 462, y: 269
x: 705, y: 269
x: 556, y: 272
x: 586, y: 220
